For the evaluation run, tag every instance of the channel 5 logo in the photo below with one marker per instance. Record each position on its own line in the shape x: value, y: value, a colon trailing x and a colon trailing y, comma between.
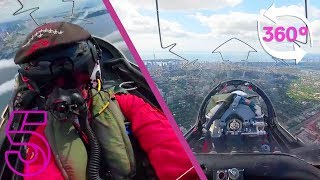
x: 41, y: 152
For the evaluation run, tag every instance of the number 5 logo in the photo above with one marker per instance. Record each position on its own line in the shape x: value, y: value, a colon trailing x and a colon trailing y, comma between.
x: 44, y: 154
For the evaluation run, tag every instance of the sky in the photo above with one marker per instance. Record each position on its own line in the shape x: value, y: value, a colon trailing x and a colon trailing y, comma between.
x: 8, y: 7
x: 195, y: 25
x: 201, y: 26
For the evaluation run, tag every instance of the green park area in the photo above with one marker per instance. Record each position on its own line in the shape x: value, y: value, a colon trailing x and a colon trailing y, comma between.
x: 305, y: 89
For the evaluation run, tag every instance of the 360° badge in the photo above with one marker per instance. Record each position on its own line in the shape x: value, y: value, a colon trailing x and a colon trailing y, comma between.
x: 280, y: 33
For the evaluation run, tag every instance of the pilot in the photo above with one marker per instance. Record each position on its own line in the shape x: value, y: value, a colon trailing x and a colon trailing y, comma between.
x: 60, y: 56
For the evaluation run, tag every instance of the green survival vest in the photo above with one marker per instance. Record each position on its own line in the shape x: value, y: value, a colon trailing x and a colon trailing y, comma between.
x: 109, y: 126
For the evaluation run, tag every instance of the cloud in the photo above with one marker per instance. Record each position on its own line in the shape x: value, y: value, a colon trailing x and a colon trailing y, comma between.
x: 116, y: 40
x: 7, y: 63
x: 121, y: 45
x: 313, y: 12
x: 6, y: 3
x: 7, y: 86
x: 243, y: 25
x: 113, y: 37
x: 143, y: 31
x: 8, y: 7
x: 234, y: 23
x: 135, y: 22
x: 315, y: 26
x: 190, y: 4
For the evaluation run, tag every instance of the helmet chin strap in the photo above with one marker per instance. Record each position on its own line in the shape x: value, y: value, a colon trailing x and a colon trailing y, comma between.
x: 96, y: 74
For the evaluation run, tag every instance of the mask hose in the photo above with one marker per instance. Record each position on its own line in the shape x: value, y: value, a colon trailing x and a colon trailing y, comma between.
x: 73, y: 99
x: 94, y: 146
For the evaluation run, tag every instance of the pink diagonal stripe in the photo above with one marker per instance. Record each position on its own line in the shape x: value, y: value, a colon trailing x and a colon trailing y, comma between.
x: 153, y: 87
